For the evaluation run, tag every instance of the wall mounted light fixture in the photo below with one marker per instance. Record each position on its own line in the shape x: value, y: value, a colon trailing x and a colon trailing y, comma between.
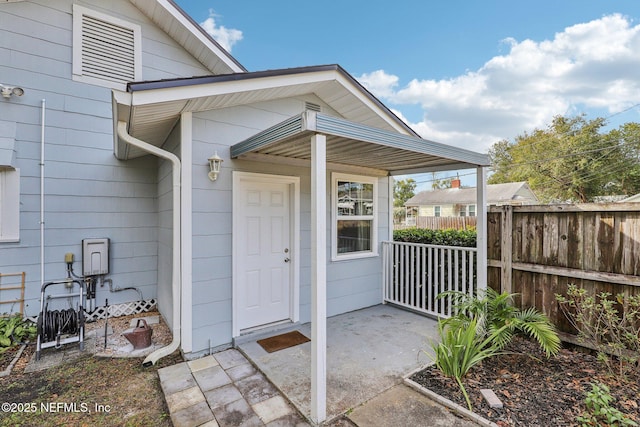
x: 214, y: 166
x: 7, y: 91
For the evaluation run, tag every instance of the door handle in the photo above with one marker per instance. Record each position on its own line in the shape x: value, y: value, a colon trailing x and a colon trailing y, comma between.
x: 287, y: 259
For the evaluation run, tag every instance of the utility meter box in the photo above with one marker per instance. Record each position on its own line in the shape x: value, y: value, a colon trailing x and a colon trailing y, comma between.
x: 95, y: 257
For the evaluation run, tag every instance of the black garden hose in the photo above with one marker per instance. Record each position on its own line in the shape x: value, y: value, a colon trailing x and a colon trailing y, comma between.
x: 59, y: 322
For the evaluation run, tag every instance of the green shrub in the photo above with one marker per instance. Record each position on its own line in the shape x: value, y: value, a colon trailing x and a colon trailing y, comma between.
x: 599, y: 410
x: 481, y: 328
x: 496, y: 316
x: 451, y: 237
x: 615, y: 335
x: 460, y: 349
x: 14, y: 329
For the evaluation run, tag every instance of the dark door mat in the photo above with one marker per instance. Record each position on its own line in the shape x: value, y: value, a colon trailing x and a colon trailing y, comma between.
x: 283, y: 341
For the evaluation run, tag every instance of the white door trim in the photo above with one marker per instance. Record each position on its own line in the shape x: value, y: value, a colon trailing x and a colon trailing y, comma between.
x: 294, y: 193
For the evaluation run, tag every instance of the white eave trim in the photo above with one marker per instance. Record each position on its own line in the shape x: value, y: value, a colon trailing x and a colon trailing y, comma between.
x: 220, y: 53
x: 231, y: 86
x: 192, y: 28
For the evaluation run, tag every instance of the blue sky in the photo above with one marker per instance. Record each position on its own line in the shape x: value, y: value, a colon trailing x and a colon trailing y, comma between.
x: 464, y: 73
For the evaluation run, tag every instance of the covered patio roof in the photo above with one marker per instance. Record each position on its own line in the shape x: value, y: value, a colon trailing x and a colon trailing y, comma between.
x: 354, y: 144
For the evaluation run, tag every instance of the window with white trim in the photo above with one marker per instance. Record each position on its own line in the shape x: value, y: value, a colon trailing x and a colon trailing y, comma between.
x: 467, y: 210
x: 354, y: 216
x: 107, y: 51
x: 436, y: 211
x: 9, y: 205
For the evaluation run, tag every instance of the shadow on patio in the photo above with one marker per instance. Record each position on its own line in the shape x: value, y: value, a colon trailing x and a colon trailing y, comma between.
x: 368, y: 351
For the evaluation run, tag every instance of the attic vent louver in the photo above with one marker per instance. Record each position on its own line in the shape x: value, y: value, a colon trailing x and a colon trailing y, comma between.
x: 310, y: 106
x: 107, y: 51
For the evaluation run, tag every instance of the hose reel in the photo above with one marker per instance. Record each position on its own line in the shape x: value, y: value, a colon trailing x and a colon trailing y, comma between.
x: 60, y: 322
x: 58, y: 327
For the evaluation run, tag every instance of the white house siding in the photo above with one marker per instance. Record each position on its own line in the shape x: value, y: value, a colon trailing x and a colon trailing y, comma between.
x: 445, y: 210
x: 350, y: 284
x: 88, y: 192
x: 165, y: 228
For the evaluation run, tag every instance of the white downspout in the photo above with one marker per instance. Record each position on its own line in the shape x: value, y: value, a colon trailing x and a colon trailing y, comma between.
x: 42, y: 193
x: 176, y: 275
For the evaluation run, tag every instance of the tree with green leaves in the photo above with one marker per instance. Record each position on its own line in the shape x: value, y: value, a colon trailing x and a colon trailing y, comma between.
x: 403, y: 190
x: 573, y: 160
x: 439, y: 183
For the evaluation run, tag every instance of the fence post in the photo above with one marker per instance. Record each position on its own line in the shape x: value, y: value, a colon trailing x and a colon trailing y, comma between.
x: 506, y: 249
x: 481, y: 227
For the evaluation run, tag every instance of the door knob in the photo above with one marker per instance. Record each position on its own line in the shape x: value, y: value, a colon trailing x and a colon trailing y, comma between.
x: 287, y: 260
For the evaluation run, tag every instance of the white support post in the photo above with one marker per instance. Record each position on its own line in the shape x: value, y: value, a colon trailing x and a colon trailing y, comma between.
x: 318, y: 278
x: 481, y: 228
x: 391, y: 218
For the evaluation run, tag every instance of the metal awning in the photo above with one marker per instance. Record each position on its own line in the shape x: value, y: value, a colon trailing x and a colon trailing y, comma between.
x: 354, y: 144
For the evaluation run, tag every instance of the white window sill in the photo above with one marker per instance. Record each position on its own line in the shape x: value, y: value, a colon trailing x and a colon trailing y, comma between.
x: 355, y: 255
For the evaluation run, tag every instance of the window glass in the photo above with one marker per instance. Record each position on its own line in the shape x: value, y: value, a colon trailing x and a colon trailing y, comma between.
x: 355, y: 198
x: 354, y: 202
x: 354, y: 236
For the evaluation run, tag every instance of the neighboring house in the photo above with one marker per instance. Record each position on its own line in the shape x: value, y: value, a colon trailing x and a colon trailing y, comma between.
x: 457, y: 201
x: 112, y: 137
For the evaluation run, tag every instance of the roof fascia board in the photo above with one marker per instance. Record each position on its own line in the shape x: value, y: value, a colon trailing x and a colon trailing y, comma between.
x: 440, y: 168
x: 368, y: 99
x: 194, y: 28
x: 225, y: 87
x: 120, y: 97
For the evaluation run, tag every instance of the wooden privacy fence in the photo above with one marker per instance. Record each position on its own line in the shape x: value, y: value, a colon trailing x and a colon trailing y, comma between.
x: 440, y: 222
x: 537, y: 251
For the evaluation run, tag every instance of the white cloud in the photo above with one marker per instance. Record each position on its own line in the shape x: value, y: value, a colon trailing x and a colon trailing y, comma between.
x: 380, y: 83
x: 227, y: 37
x: 588, y: 65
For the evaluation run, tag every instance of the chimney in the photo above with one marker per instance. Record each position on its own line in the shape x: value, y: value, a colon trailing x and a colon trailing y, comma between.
x: 455, y: 183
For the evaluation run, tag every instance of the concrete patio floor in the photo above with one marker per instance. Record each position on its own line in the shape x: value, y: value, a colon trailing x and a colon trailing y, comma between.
x: 368, y: 352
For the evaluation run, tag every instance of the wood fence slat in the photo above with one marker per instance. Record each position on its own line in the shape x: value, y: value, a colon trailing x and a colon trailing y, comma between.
x: 550, y: 242
x: 588, y: 245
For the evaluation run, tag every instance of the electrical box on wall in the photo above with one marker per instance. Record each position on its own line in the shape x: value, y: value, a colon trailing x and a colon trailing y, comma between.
x: 95, y: 257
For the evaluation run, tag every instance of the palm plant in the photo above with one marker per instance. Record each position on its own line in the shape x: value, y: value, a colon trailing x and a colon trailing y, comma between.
x: 495, y: 316
x: 460, y: 349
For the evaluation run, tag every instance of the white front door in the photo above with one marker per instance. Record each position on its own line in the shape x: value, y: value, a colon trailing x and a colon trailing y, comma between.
x: 263, y: 250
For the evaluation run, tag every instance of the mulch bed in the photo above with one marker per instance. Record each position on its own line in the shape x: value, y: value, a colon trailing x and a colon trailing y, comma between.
x: 7, y: 356
x: 543, y: 392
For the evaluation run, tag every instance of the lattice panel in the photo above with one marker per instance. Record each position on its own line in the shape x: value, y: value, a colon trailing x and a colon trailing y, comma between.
x: 116, y: 310
x: 125, y: 309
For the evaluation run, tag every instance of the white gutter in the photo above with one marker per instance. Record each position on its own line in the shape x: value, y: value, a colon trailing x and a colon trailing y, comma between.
x: 176, y: 271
